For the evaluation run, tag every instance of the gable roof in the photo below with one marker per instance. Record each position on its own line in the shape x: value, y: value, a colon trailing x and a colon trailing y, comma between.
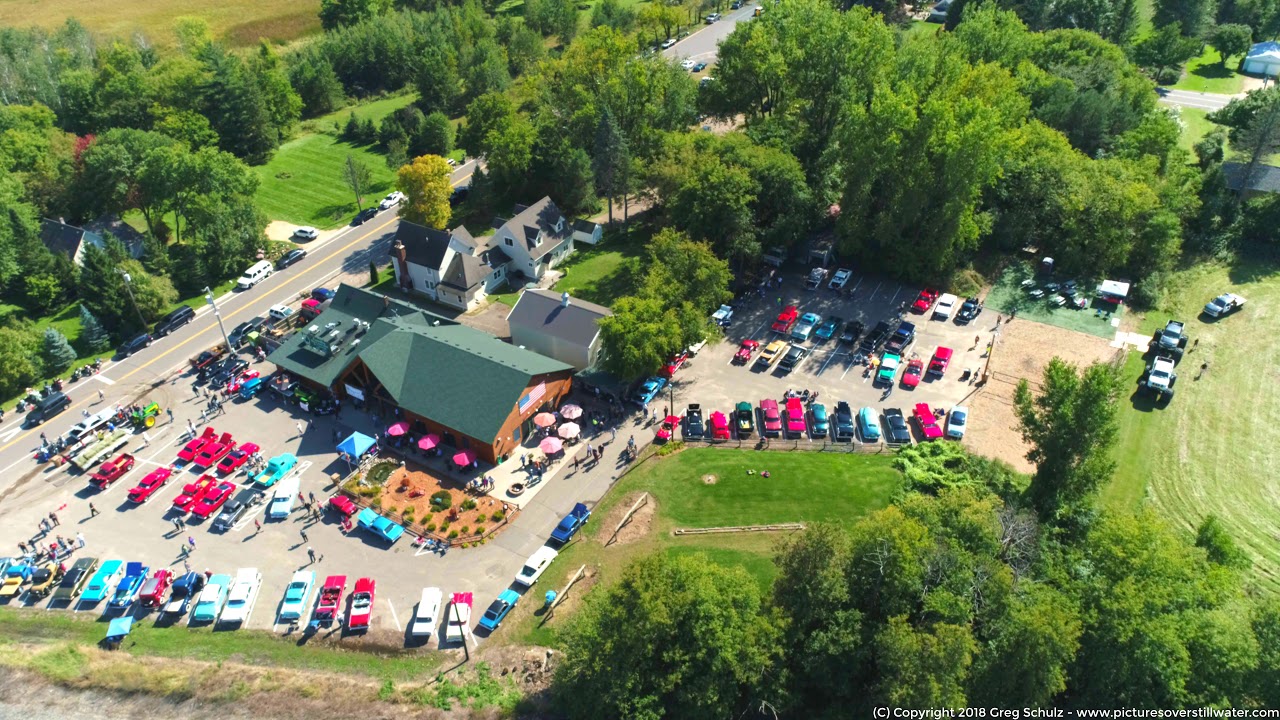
x: 449, y: 373
x: 60, y: 237
x: 423, y: 245
x: 535, y: 226
x: 465, y: 272
x: 1269, y: 50
x: 1266, y: 178
x: 542, y: 310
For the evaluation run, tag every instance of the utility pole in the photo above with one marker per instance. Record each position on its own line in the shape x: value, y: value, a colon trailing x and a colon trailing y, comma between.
x: 128, y: 287
x: 208, y: 297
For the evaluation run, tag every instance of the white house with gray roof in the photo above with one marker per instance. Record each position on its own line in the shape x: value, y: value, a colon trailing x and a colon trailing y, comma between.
x: 558, y: 326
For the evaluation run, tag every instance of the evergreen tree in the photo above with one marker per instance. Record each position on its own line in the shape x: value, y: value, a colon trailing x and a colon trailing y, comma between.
x: 610, y: 157
x: 55, y: 352
x: 237, y: 108
x: 373, y: 273
x: 92, y: 335
x: 101, y: 289
x: 351, y: 133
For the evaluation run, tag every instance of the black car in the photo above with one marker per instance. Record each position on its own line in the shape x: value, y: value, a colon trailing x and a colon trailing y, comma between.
x: 693, y: 427
x: 875, y: 338
x: 135, y: 344
x: 293, y: 256
x: 844, y: 421
x: 174, y: 320
x: 902, y: 338
x: 237, y: 336
x: 47, y: 406
x: 230, y: 515
x: 364, y: 216
x: 793, y: 358
x: 971, y: 309
x: 896, y: 430
x: 852, y: 332
x: 227, y: 369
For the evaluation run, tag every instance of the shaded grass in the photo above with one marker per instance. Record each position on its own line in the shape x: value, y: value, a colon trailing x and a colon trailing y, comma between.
x: 803, y: 487
x: 1007, y: 296
x: 920, y: 30
x: 1195, y: 125
x: 241, y: 22
x: 303, y: 182
x: 374, y: 110
x: 601, y: 273
x: 1205, y: 452
x: 1205, y: 74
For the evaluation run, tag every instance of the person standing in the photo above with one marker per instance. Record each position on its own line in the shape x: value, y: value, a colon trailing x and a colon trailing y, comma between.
x: 53, y: 518
x: 80, y: 540
x: 257, y: 526
x: 101, y: 397
x: 191, y: 541
x: 300, y: 428
x: 303, y: 533
x: 311, y: 554
x: 93, y: 511
x: 169, y: 412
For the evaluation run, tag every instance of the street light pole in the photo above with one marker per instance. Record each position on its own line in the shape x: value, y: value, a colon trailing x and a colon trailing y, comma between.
x: 208, y: 297
x: 128, y: 287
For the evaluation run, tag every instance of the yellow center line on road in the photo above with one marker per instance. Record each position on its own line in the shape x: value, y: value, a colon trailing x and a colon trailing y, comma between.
x: 226, y: 316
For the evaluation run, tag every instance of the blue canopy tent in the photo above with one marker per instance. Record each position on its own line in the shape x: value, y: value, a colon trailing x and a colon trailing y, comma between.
x: 355, y: 446
x: 118, y: 630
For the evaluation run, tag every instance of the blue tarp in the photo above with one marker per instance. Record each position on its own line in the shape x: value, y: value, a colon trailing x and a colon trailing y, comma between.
x: 119, y: 627
x: 356, y: 444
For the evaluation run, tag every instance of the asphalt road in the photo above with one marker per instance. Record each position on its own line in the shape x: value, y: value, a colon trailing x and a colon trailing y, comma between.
x: 1197, y: 100
x: 703, y: 44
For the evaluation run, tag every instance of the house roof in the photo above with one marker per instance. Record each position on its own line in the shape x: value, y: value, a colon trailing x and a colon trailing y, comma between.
x: 423, y: 245
x: 542, y: 310
x: 120, y: 230
x: 465, y: 272
x: 1266, y: 178
x: 449, y: 373
x: 584, y: 226
x: 1269, y: 50
x: 60, y: 237
x: 535, y: 226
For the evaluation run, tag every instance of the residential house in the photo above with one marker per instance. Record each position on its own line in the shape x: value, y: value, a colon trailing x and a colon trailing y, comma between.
x: 70, y: 240
x: 558, y: 326
x: 1264, y: 180
x: 1262, y: 59
x: 473, y: 390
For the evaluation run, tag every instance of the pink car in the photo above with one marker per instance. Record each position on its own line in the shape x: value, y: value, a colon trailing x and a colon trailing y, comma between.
x: 795, y: 417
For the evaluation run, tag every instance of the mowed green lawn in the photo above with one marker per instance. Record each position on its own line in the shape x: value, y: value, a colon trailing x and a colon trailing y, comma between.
x: 303, y: 182
x: 1214, y: 447
x: 241, y: 22
x: 802, y: 487
x: 1206, y: 73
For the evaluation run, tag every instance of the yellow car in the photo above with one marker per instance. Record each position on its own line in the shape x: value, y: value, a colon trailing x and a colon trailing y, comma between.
x: 44, y: 579
x: 16, y: 577
x: 771, y: 353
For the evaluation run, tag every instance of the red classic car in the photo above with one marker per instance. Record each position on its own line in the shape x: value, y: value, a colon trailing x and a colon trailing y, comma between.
x: 148, y: 486
x: 925, y: 300
x: 329, y: 602
x: 213, y: 499
x: 745, y: 351
x: 667, y: 428
x: 156, y: 588
x: 928, y: 423
x: 212, y: 452
x: 772, y: 419
x: 911, y: 376
x: 195, y: 445
x: 343, y: 505
x: 112, y: 471
x: 361, y: 604
x: 795, y: 417
x: 239, y: 381
x: 674, y: 363
x: 786, y: 319
x: 193, y: 493
x: 941, y: 359
x: 237, y: 457
x: 719, y: 426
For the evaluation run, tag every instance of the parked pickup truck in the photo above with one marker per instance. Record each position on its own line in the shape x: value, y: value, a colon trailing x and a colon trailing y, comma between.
x: 571, y: 524
x: 208, y: 357
x: 109, y: 443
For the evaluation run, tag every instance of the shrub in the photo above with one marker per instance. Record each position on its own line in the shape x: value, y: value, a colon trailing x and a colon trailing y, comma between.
x: 376, y: 504
x: 428, y: 516
x: 670, y: 448
x: 431, y: 527
x: 379, y: 473
x: 441, y: 500
x: 389, y: 508
x: 497, y: 516
x: 466, y: 529
x: 468, y: 504
x: 453, y: 534
x: 967, y: 283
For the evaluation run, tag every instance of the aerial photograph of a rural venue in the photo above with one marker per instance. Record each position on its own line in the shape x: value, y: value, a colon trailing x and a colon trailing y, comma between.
x: 639, y: 359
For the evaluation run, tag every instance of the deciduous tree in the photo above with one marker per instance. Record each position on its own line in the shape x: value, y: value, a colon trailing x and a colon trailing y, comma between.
x: 425, y: 183
x: 1230, y: 40
x: 357, y: 176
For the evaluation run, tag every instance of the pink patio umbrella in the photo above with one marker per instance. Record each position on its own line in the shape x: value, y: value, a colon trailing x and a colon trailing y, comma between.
x: 466, y: 457
x: 551, y: 446
x: 398, y: 429
x: 429, y: 441
x: 543, y: 420
x: 569, y: 431
x: 571, y: 412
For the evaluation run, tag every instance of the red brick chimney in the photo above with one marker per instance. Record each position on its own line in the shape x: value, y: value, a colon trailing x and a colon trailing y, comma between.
x: 401, y: 255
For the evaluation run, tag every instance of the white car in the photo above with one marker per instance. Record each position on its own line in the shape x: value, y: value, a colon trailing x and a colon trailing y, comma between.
x: 427, y: 616
x: 306, y: 232
x: 1224, y: 304
x: 956, y: 420
x: 668, y: 43
x: 244, y: 592
x: 537, y: 564
x: 391, y: 200
x: 456, y: 621
x: 944, y: 307
x: 297, y: 596
x: 688, y: 63
x: 839, y: 280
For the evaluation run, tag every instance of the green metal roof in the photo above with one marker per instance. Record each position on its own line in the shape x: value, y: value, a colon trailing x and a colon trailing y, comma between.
x: 449, y: 373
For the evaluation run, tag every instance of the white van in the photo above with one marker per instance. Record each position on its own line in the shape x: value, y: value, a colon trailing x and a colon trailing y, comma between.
x: 260, y: 271
x: 282, y: 501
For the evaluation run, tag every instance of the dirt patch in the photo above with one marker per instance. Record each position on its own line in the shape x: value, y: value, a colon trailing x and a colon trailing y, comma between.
x: 411, y: 488
x: 530, y: 667
x: 1024, y: 349
x: 709, y: 479
x: 569, y: 605
x: 637, y: 526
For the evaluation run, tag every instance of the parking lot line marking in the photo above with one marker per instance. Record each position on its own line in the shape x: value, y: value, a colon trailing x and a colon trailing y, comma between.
x: 103, y: 379
x: 857, y: 284
x: 293, y: 280
x: 394, y: 616
x: 895, y: 295
x: 876, y: 290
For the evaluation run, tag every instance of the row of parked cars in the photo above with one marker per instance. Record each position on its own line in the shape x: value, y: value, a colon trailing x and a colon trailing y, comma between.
x: 796, y: 418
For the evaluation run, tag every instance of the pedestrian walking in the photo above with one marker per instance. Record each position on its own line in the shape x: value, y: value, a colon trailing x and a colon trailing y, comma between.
x: 300, y: 428
x: 54, y: 519
x: 175, y: 525
x: 312, y: 496
x: 191, y: 426
x: 311, y: 554
x: 1195, y: 343
x: 613, y: 434
x: 591, y: 450
x: 22, y: 547
x: 80, y: 540
x: 575, y: 462
x: 169, y: 412
x: 191, y: 541
x: 146, y: 439
x: 195, y: 389
x: 257, y: 526
x: 186, y: 567
x: 101, y: 397
x: 303, y: 533
x: 93, y: 511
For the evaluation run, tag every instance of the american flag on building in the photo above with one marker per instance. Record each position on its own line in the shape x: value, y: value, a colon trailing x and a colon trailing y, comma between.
x: 534, y: 396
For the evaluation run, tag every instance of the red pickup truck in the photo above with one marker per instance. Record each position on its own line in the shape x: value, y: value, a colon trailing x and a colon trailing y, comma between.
x: 786, y: 319
x: 112, y: 471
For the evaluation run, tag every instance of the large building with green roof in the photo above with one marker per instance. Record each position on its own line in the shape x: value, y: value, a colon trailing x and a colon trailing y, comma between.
x: 475, y: 391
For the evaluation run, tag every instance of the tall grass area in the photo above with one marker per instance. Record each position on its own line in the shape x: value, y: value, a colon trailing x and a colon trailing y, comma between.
x: 241, y: 22
x: 303, y: 181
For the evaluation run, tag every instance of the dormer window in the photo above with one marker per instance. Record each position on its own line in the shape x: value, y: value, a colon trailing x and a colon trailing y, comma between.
x: 560, y: 224
x: 509, y: 242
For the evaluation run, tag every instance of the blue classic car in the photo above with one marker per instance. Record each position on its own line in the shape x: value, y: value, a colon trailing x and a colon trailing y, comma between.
x: 135, y: 573
x: 571, y: 523
x: 108, y: 573
x: 252, y: 387
x: 380, y: 526
x: 821, y: 424
x: 648, y: 390
x: 498, y: 610
x: 212, y: 598
x: 829, y: 329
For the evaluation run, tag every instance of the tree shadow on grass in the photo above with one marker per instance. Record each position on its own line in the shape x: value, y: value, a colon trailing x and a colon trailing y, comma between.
x: 1253, y: 266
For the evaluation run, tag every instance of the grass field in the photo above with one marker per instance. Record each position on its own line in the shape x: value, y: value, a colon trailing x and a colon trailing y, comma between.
x: 1213, y: 447
x: 241, y: 22
x: 803, y: 487
x: 373, y: 110
x: 1206, y: 74
x: 600, y: 273
x: 1007, y: 296
x: 1195, y: 125
x: 303, y: 182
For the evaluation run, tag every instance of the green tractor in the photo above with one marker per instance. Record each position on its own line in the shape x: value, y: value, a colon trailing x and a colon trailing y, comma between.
x: 144, y: 416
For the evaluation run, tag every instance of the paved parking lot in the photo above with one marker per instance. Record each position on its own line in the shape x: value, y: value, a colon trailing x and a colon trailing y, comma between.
x: 146, y: 533
x: 717, y: 384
